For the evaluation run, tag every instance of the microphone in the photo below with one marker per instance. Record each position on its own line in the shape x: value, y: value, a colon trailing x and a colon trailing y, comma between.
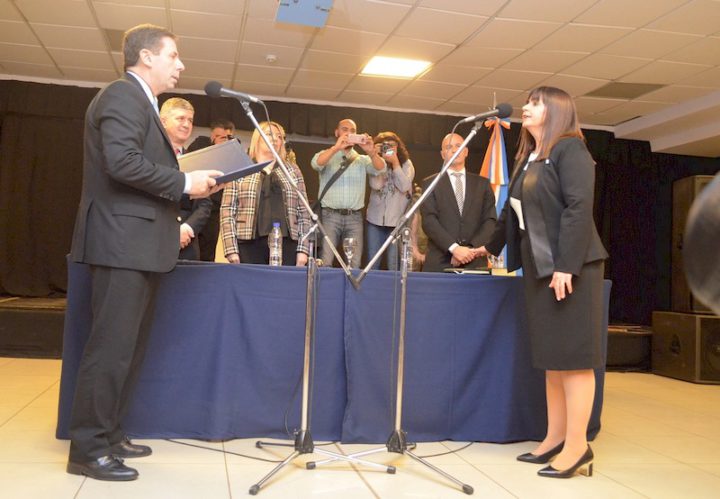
x: 503, y: 110
x: 215, y: 89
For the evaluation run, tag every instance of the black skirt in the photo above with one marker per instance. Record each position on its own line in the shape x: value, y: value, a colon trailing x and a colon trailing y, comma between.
x: 564, y: 335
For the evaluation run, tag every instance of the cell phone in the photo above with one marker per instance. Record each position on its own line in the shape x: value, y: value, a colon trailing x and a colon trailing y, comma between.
x: 356, y: 138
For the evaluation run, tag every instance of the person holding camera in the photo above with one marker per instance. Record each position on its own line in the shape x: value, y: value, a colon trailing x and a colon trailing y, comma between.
x: 389, y: 195
x: 341, y: 199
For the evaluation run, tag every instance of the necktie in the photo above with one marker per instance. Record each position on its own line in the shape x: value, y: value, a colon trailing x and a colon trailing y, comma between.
x: 459, y: 191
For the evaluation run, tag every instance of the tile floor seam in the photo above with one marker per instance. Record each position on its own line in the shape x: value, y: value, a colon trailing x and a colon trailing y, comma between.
x: 29, y: 403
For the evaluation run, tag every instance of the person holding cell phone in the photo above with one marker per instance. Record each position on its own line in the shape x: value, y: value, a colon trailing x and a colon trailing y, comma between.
x: 341, y: 195
x: 390, y: 193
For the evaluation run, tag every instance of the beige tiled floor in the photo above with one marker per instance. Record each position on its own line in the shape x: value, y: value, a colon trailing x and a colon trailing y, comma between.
x: 660, y: 439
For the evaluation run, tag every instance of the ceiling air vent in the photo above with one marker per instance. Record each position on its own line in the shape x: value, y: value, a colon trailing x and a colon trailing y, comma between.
x: 618, y: 90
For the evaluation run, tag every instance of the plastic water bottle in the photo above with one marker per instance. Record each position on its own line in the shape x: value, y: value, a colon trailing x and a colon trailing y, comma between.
x: 275, y: 245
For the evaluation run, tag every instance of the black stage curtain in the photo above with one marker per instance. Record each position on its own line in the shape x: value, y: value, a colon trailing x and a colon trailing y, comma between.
x: 41, y: 175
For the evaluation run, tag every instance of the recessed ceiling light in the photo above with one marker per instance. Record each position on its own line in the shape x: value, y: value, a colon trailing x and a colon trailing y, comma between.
x: 394, y: 67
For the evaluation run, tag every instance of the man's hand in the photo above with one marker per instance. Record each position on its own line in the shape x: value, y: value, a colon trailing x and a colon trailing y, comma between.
x: 301, y: 259
x: 463, y: 255
x: 203, y: 183
x: 233, y: 258
x: 560, y: 282
x: 186, y: 235
x: 367, y: 145
x: 481, y: 251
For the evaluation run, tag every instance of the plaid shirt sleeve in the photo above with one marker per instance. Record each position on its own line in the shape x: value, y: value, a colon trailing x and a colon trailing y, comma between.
x: 228, y: 213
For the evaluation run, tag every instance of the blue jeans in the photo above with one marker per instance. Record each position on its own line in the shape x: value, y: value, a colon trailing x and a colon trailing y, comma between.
x: 338, y: 227
x: 376, y: 237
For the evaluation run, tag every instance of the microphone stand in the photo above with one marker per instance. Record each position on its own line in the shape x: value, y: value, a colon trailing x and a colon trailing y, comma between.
x: 303, y: 439
x: 397, y: 441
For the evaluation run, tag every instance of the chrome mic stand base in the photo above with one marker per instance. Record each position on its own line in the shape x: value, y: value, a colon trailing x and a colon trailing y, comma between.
x: 303, y: 439
x: 397, y: 442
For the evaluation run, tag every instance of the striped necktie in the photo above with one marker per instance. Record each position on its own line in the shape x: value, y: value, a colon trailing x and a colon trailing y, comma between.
x: 459, y: 190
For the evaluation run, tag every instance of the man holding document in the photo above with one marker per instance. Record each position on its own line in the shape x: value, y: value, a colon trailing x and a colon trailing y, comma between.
x: 127, y: 231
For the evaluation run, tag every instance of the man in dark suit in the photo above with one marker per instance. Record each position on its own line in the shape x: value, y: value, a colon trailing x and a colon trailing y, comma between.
x: 176, y: 115
x: 458, y: 215
x: 127, y: 231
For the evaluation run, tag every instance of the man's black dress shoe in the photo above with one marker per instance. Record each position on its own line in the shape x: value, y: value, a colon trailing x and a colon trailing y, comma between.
x: 529, y: 457
x: 584, y: 466
x: 125, y: 448
x: 103, y: 468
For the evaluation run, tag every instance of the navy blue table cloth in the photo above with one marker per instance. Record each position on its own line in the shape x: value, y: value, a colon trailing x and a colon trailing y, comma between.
x: 226, y: 354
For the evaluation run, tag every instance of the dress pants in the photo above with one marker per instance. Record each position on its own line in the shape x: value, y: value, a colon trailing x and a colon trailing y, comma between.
x: 123, y: 303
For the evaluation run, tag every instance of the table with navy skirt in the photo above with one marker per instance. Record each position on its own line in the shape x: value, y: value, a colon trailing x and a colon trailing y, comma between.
x: 225, y: 357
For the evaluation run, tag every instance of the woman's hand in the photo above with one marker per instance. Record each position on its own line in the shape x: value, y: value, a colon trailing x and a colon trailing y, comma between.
x: 301, y: 259
x: 561, y: 281
x: 233, y: 258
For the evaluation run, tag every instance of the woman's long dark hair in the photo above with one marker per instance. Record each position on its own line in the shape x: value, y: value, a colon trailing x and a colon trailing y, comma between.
x: 402, y: 151
x: 560, y: 121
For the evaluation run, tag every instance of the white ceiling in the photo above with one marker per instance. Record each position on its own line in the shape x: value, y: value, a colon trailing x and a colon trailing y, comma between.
x: 480, y: 50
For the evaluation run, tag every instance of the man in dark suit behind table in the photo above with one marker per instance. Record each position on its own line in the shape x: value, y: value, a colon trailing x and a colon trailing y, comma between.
x: 458, y: 215
x: 127, y: 231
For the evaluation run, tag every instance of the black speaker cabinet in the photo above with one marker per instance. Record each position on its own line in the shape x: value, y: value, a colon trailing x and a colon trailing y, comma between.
x: 686, y: 346
x: 685, y: 191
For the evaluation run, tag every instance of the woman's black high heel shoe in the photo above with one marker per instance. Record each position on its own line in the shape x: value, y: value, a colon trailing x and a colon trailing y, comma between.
x: 529, y: 457
x: 584, y: 466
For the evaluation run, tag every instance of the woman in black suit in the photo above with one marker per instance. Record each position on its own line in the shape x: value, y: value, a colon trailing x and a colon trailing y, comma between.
x: 547, y: 224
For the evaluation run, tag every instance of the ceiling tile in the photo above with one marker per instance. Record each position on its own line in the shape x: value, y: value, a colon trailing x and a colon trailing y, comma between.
x: 377, y: 84
x: 664, y: 72
x: 63, y: 12
x: 377, y: 17
x: 142, y: 3
x: 368, y: 98
x: 485, y: 96
x: 575, y: 85
x: 236, y: 7
x: 633, y: 13
x: 322, y: 60
x: 124, y: 17
x: 211, y: 70
x: 547, y: 10
x: 256, y: 54
x: 677, y: 93
x: 207, y: 49
x: 544, y: 60
x: 33, y: 54
x: 447, y: 27
x: 484, y: 57
x: 89, y: 74
x: 16, y: 32
x: 606, y: 66
x: 709, y: 78
x: 322, y: 79
x: 202, y: 25
x: 415, y: 49
x: 704, y: 51
x: 629, y: 111
x: 82, y: 59
x: 347, y: 41
x: 433, y: 90
x: 70, y: 38
x: 260, y: 88
x: 508, y: 33
x: 484, y: 8
x: 649, y: 43
x: 8, y: 11
x: 261, y: 9
x: 592, y: 105
x: 699, y: 17
x: 260, y: 31
x: 507, y: 78
x: 312, y: 93
x: 582, y: 38
x: 449, y: 73
x: 458, y: 108
x: 25, y: 69
x: 414, y: 102
x: 197, y: 83
x: 248, y: 73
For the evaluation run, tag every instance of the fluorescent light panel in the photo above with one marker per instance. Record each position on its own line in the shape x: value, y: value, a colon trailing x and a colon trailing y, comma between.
x: 394, y: 67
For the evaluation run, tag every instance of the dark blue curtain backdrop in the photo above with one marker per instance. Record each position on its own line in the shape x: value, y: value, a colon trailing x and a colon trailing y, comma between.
x: 41, y: 170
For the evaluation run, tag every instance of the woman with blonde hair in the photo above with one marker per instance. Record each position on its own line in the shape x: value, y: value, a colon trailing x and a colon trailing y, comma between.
x: 547, y: 224
x: 252, y: 204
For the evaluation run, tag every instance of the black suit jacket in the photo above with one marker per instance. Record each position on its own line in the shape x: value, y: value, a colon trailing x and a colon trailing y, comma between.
x: 557, y: 204
x: 443, y: 224
x: 128, y: 214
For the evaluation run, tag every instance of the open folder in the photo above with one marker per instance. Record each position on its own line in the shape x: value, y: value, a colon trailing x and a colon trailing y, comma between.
x: 227, y: 157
